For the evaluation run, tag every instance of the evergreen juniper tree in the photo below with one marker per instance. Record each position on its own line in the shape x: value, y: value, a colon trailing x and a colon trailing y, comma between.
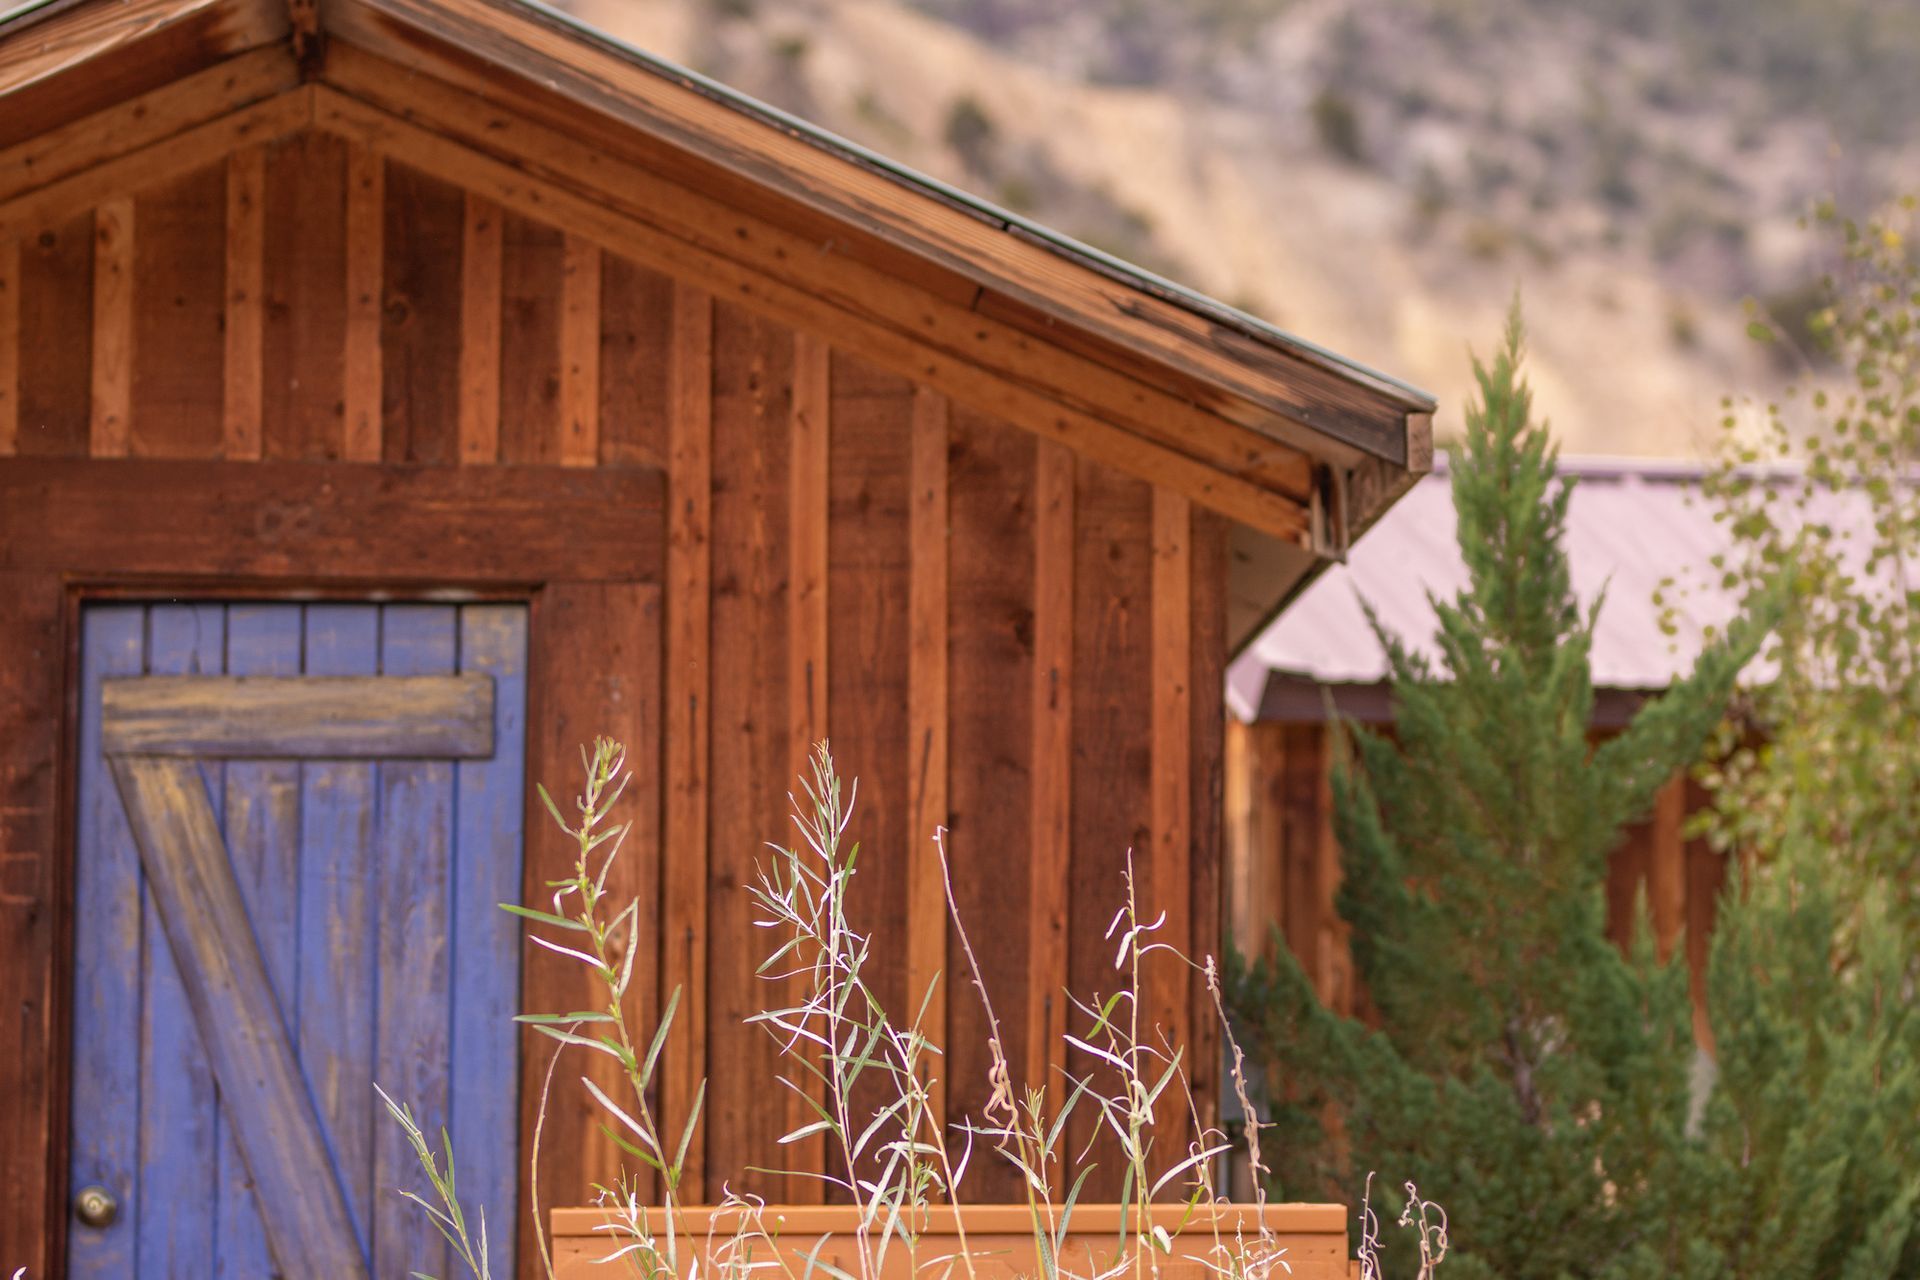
x: 1541, y: 1084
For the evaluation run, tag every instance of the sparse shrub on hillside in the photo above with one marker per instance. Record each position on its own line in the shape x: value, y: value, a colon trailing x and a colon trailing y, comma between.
x: 1336, y: 125
x: 970, y: 131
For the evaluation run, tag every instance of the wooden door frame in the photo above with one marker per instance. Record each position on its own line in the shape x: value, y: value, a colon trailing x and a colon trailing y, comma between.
x: 74, y: 531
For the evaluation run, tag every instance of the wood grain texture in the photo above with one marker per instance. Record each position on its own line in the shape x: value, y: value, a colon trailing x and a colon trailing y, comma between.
x: 82, y: 58
x: 1207, y: 797
x: 689, y: 585
x: 808, y: 475
x: 178, y: 1122
x: 533, y: 264
x: 246, y: 239
x: 260, y: 814
x: 420, y: 328
x: 596, y: 671
x: 178, y: 311
x: 1113, y: 749
x: 232, y: 998
x: 484, y: 1111
x: 9, y: 347
x: 480, y: 330
x: 361, y: 372
x: 340, y: 913
x: 752, y: 453
x: 413, y: 1034
x: 868, y: 694
x: 1274, y: 379
x: 194, y: 149
x: 342, y: 717
x: 1052, y: 814
x: 927, y: 715
x: 305, y: 340
x: 830, y: 258
x: 112, y: 388
x: 56, y: 339
x: 429, y: 525
x: 636, y: 369
x: 579, y: 353
x: 990, y: 496
x: 60, y: 152
x: 1314, y: 1237
x: 904, y: 340
x: 1168, y: 858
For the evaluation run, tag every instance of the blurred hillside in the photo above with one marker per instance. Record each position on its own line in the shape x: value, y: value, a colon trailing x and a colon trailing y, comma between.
x: 1379, y: 175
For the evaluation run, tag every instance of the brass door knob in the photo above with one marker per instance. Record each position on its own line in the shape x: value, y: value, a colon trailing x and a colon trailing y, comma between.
x: 96, y: 1207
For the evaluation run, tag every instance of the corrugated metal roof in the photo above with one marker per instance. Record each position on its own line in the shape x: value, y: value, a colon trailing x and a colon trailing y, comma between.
x: 1630, y: 526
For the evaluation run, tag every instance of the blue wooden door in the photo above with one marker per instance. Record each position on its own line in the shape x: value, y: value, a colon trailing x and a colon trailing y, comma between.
x: 232, y: 1014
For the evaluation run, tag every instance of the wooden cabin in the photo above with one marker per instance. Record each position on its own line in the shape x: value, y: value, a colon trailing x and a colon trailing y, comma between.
x: 1631, y: 525
x: 471, y: 384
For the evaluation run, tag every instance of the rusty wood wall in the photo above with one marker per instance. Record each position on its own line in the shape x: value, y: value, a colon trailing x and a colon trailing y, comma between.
x: 1283, y: 863
x: 997, y: 634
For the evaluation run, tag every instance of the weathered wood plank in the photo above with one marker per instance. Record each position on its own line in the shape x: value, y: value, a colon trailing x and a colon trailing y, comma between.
x: 532, y: 270
x: 1167, y: 856
x: 927, y: 685
x: 77, y: 61
x: 484, y: 1116
x: 55, y: 362
x: 420, y: 319
x: 833, y: 260
x: 1112, y: 774
x: 636, y: 369
x: 208, y: 144
x: 432, y: 525
x: 9, y: 347
x: 343, y: 717
x: 179, y: 1118
x: 34, y: 878
x: 242, y: 392
x: 1269, y: 379
x: 1206, y: 858
x: 413, y: 1010
x: 232, y: 999
x: 752, y: 452
x: 1052, y: 813
x: 52, y: 154
x: 990, y: 495
x: 940, y: 345
x: 178, y: 349
x: 869, y: 540
x: 365, y: 258
x: 689, y: 585
x: 579, y: 353
x: 596, y: 669
x: 339, y: 915
x: 261, y: 817
x: 480, y: 330
x: 305, y: 340
x: 807, y: 662
x: 106, y: 1011
x: 112, y: 399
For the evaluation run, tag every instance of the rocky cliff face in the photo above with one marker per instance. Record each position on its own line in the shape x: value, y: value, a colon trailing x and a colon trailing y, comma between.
x: 1381, y: 175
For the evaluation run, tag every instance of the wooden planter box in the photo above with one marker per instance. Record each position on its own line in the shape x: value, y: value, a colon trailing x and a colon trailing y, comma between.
x: 1314, y: 1236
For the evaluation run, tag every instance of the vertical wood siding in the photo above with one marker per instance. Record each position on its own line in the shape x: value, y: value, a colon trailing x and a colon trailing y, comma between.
x: 998, y: 636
